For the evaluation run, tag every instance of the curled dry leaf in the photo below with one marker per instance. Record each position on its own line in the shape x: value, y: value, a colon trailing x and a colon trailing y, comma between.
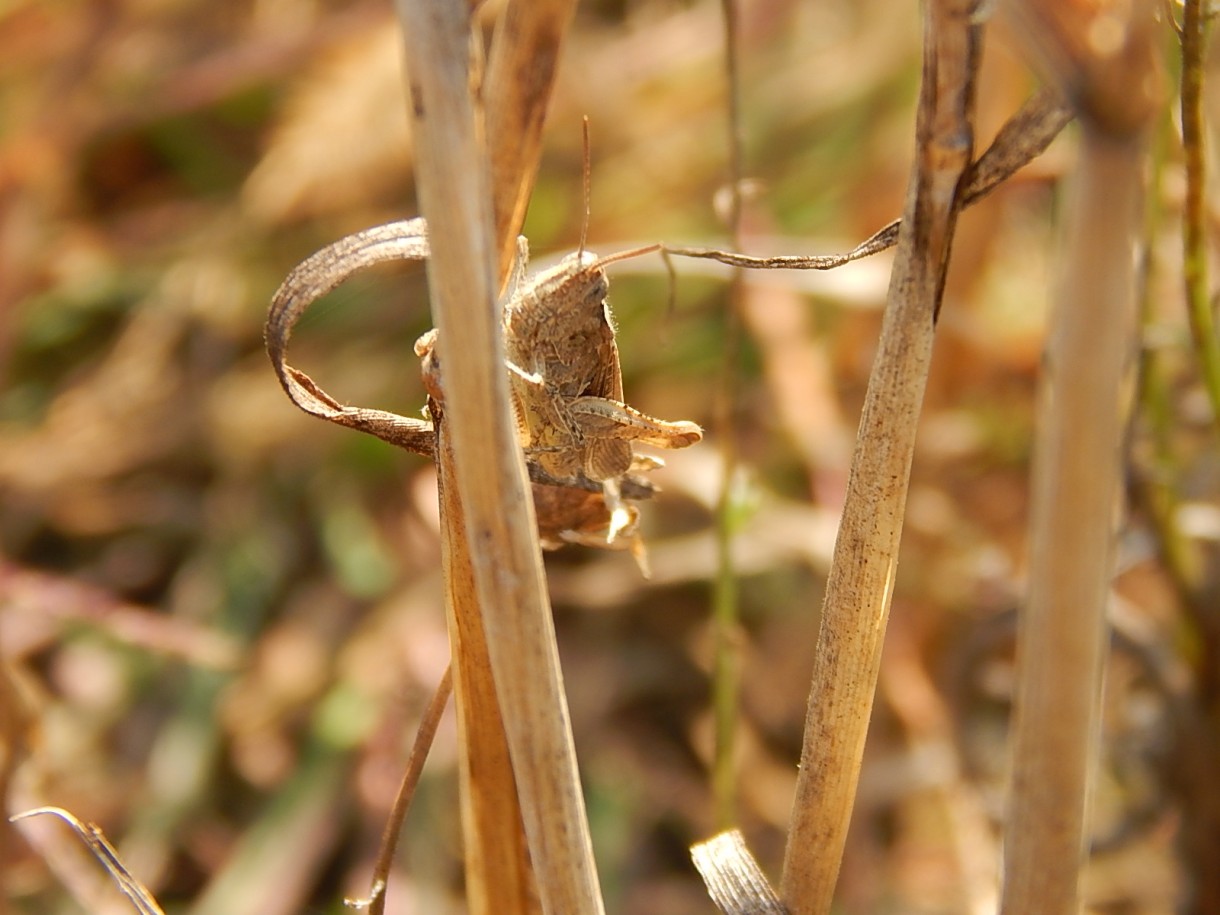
x: 313, y: 278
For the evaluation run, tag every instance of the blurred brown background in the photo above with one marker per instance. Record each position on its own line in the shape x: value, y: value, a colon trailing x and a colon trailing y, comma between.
x: 220, y: 618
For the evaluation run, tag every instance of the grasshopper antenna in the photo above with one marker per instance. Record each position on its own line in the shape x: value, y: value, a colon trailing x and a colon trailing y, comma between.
x: 585, y: 182
x: 624, y: 255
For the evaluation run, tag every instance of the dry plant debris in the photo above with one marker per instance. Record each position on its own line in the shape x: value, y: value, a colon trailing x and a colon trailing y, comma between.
x: 146, y: 454
x: 97, y: 843
x: 734, y: 880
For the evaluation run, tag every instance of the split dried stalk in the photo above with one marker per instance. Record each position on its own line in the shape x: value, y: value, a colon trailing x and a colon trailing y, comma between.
x: 573, y: 509
x: 520, y: 76
x: 1078, y: 459
x: 861, y: 580
x: 498, y: 876
x: 479, y: 443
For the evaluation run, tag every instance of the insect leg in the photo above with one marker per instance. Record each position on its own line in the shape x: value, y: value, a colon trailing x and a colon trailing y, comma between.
x: 598, y: 417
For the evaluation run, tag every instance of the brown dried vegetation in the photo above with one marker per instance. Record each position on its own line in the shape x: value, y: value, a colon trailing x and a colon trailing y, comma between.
x: 220, y: 621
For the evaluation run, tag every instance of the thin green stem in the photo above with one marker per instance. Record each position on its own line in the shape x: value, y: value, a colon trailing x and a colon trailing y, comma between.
x: 726, y: 598
x: 1194, y: 242
x: 1159, y: 492
x: 1158, y: 487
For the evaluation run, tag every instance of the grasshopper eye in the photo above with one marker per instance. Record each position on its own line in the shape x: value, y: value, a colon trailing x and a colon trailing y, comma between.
x: 600, y: 287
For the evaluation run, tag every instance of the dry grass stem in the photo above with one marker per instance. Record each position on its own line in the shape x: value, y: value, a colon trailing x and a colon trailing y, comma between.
x: 488, y: 472
x: 861, y: 578
x: 375, y: 903
x: 726, y: 600
x: 498, y: 874
x: 101, y: 848
x: 1077, y: 473
x: 1079, y: 454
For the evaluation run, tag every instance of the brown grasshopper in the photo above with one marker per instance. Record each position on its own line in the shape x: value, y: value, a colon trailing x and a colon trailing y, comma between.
x: 566, y: 384
x: 566, y: 379
x: 567, y: 387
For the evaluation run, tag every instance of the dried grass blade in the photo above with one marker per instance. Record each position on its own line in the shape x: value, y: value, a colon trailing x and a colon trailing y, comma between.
x: 105, y: 853
x: 520, y: 77
x: 733, y: 878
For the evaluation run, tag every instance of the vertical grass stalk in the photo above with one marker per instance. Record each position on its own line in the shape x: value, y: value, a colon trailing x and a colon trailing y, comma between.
x: 498, y: 530
x: 860, y: 586
x: 726, y: 672
x: 1194, y: 207
x: 1077, y: 474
